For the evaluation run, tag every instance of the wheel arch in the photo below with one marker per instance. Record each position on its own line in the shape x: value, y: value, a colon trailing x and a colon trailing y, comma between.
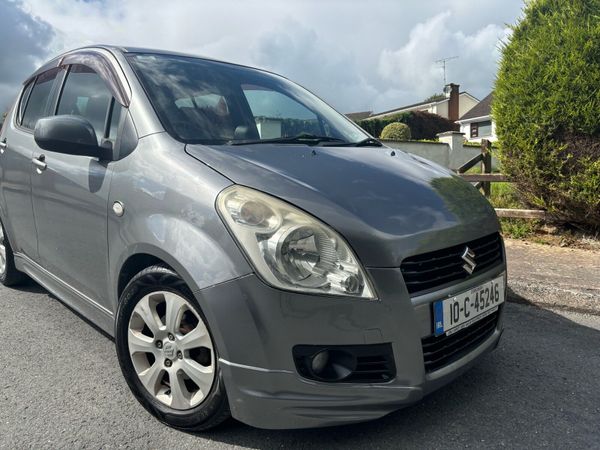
x: 132, y: 266
x: 142, y: 256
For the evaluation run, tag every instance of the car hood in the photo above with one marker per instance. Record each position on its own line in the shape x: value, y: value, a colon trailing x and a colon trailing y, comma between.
x: 386, y: 203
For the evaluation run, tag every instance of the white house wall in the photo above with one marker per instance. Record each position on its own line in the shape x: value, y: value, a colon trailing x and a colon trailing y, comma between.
x: 439, y: 152
x: 465, y: 127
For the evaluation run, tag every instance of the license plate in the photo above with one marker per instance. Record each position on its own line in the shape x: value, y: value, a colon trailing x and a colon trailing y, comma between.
x: 458, y: 312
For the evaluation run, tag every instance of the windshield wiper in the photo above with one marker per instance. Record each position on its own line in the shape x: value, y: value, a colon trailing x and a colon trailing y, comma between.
x: 304, y: 138
x: 368, y: 142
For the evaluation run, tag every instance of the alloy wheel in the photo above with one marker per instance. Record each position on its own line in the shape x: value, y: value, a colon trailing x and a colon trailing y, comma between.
x: 171, y: 350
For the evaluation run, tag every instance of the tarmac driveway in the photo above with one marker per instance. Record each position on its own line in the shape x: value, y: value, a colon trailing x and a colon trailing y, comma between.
x: 60, y: 387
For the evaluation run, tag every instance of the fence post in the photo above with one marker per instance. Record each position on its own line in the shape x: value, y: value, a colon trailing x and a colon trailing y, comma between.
x: 486, y: 165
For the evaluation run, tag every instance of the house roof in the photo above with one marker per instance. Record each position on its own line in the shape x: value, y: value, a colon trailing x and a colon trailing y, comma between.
x: 414, y: 105
x: 360, y: 115
x: 419, y: 105
x: 481, y: 109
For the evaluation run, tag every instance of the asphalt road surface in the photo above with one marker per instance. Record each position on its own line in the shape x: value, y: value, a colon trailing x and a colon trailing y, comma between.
x: 60, y: 387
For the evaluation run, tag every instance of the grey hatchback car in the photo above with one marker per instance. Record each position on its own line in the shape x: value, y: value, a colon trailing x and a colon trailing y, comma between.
x: 253, y: 252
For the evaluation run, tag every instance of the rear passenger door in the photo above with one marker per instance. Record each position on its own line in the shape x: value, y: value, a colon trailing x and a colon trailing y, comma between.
x: 36, y: 101
x: 70, y: 195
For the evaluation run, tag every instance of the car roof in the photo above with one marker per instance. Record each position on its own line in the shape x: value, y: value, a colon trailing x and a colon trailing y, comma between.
x: 54, y: 62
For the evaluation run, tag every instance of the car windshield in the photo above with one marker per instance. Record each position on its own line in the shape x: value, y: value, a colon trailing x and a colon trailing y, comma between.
x: 208, y: 102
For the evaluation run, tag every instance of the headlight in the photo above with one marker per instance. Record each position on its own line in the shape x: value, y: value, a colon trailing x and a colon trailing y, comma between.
x: 289, y: 248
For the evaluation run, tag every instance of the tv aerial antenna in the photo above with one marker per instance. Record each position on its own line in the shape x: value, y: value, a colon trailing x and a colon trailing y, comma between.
x: 442, y: 62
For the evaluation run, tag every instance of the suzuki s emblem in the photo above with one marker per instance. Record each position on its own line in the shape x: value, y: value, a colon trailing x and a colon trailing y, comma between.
x: 468, y: 257
x: 169, y: 350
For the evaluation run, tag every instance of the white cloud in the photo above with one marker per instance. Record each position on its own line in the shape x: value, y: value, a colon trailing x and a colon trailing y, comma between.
x: 412, y: 66
x: 321, y: 66
x: 356, y: 55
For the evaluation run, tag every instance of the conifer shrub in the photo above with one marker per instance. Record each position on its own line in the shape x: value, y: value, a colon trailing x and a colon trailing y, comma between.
x: 547, y: 109
x: 396, y: 131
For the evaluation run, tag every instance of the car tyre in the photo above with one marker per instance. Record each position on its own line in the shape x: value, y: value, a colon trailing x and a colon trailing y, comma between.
x: 9, y: 275
x: 145, y: 292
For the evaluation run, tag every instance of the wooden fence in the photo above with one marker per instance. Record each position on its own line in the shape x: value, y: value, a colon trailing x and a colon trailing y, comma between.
x: 484, y: 180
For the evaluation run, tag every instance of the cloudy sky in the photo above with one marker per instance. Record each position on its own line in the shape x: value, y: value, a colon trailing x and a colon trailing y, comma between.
x: 357, y: 55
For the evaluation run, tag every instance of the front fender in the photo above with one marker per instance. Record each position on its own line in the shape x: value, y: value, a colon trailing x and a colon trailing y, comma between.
x: 169, y: 213
x: 201, y: 259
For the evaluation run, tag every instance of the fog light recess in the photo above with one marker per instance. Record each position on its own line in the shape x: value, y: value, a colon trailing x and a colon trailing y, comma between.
x: 345, y: 363
x: 332, y: 365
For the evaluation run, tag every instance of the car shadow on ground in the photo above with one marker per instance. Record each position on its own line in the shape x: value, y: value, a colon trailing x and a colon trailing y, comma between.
x: 31, y: 286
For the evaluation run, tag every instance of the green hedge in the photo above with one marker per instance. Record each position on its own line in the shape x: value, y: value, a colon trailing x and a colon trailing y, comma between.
x: 423, y: 125
x: 547, y: 105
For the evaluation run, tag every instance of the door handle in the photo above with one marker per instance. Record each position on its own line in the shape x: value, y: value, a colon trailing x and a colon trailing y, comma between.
x: 40, y: 163
x: 2, y: 146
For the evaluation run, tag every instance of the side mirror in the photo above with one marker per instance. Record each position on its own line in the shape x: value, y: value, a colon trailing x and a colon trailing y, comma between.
x: 71, y: 135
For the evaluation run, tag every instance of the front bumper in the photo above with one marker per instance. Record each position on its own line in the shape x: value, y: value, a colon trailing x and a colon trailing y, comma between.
x: 255, y: 328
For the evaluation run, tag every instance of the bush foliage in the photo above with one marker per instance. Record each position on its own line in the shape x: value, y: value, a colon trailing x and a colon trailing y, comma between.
x: 423, y: 125
x: 396, y: 131
x: 546, y: 107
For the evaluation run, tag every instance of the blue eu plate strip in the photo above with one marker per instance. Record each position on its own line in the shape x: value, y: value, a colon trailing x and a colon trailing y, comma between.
x: 438, y: 317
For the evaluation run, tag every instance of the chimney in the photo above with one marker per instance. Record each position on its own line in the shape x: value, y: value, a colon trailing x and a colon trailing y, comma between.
x: 451, y: 91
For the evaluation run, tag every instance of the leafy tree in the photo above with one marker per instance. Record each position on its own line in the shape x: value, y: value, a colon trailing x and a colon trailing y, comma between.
x: 435, y: 98
x: 546, y: 107
x: 396, y: 131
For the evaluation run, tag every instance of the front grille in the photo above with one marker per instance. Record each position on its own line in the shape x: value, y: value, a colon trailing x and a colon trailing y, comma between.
x: 429, y: 271
x: 439, y: 351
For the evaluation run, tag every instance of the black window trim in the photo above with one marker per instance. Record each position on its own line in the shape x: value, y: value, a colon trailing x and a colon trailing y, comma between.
x: 474, y: 130
x: 58, y: 90
x: 108, y: 119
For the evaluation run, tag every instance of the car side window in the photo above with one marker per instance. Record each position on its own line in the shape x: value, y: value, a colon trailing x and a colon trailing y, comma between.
x: 23, y: 102
x: 37, y: 104
x: 85, y: 94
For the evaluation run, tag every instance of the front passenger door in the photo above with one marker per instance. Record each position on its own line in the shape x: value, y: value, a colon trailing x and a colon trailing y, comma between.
x: 70, y: 193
